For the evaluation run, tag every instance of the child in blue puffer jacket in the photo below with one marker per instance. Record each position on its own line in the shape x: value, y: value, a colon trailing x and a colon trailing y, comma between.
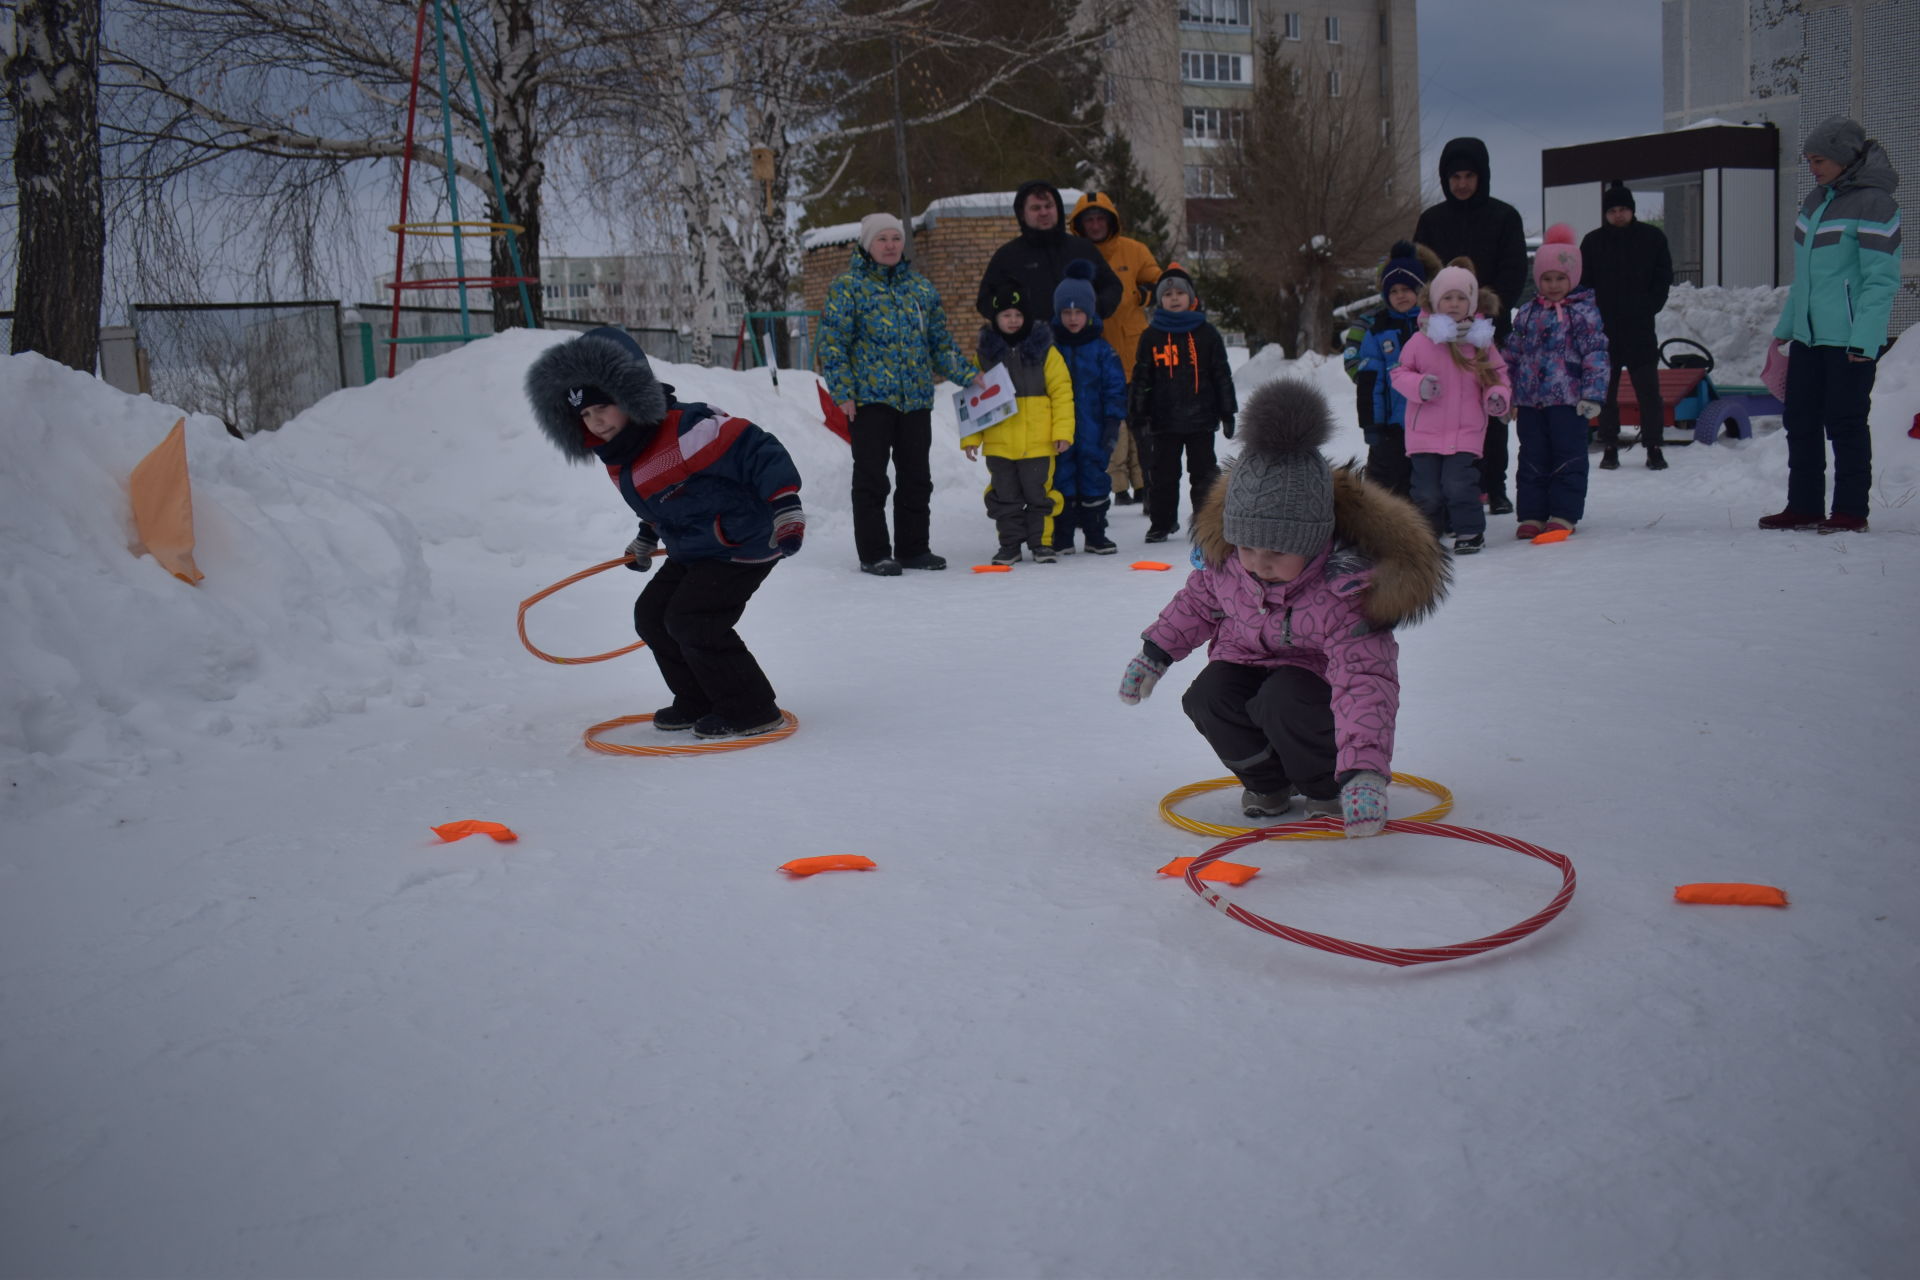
x: 1099, y: 411
x: 1557, y: 356
x: 720, y: 492
x: 1371, y: 355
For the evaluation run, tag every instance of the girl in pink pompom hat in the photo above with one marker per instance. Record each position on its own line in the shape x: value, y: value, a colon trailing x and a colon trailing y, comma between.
x: 1557, y: 353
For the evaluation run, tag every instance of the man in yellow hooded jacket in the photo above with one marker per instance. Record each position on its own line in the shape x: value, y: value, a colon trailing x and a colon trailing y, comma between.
x: 1097, y: 218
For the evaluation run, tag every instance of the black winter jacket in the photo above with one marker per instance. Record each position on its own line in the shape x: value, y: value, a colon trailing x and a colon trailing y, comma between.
x: 1037, y: 261
x: 1630, y: 269
x: 1484, y: 229
x: 1181, y: 381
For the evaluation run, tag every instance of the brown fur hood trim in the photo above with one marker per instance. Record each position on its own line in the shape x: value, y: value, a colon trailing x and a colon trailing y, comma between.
x: 1373, y: 530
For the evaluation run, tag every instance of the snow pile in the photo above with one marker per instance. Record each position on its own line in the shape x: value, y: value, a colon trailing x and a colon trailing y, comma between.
x: 1736, y: 325
x: 339, y: 550
x: 312, y: 605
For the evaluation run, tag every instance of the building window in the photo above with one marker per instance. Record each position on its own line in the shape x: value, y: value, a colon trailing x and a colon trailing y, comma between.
x: 1386, y: 83
x: 1216, y: 13
x: 1296, y: 80
x: 1213, y: 68
x: 1204, y: 238
x: 576, y: 291
x: 1208, y: 182
x: 1109, y: 94
x: 1333, y: 84
x: 1386, y: 28
x: 1290, y: 25
x: 1386, y: 130
x: 1210, y: 125
x: 1333, y: 30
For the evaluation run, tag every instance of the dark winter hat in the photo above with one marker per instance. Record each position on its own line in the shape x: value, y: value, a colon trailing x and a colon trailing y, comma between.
x: 1077, y: 289
x: 1403, y: 266
x: 1838, y: 139
x: 606, y: 361
x: 1175, y: 276
x: 1004, y: 294
x: 584, y: 398
x: 1280, y: 492
x: 1616, y: 196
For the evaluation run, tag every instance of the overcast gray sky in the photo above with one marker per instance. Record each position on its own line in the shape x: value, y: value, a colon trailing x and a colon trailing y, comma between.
x: 1525, y: 75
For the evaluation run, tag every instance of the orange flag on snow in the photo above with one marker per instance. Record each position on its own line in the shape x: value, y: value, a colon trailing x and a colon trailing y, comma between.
x: 163, y: 505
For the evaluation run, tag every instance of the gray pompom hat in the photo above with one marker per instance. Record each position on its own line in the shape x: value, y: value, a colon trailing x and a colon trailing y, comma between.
x: 1280, y: 492
x: 1838, y: 139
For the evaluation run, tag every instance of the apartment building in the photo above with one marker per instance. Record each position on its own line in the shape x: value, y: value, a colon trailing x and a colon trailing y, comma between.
x: 1181, y: 75
x: 1793, y: 63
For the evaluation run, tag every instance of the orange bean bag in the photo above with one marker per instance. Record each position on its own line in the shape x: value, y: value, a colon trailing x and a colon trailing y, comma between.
x: 1731, y: 895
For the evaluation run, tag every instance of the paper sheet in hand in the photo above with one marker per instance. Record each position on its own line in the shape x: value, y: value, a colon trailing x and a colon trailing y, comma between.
x: 993, y: 402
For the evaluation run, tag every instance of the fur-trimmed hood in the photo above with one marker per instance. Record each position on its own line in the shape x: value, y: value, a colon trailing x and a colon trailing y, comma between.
x: 607, y: 358
x: 993, y: 345
x: 1373, y: 531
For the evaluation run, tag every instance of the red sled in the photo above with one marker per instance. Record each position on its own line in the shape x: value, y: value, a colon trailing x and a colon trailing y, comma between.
x: 836, y: 420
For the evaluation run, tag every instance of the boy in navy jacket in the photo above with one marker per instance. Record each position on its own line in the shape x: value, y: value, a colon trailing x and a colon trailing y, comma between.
x: 720, y: 492
x: 1099, y: 412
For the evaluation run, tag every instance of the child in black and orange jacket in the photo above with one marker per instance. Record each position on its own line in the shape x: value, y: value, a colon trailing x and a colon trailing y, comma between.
x: 1181, y: 390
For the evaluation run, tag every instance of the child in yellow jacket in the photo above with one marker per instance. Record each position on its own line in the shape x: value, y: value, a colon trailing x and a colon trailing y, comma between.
x: 1020, y: 451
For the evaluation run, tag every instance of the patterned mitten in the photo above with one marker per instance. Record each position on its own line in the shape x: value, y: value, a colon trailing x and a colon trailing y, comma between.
x: 1363, y: 803
x: 1429, y: 388
x: 1142, y: 674
x: 1588, y: 409
x: 789, y: 524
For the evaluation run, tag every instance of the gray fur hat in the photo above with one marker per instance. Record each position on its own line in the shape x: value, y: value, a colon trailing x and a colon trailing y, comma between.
x: 1838, y: 139
x: 566, y: 377
x: 1280, y: 492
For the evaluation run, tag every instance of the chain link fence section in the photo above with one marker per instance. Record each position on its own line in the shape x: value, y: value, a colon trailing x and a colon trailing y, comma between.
x: 253, y: 365
x: 669, y: 345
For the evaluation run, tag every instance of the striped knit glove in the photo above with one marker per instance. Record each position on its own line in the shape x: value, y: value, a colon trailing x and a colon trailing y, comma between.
x: 641, y: 548
x: 789, y: 524
x: 1363, y: 803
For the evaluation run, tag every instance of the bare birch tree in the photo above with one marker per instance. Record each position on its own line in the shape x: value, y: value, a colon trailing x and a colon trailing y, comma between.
x: 303, y: 91
x: 52, y: 82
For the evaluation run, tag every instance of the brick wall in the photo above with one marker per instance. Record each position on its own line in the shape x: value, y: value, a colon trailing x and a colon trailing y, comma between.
x: 952, y: 252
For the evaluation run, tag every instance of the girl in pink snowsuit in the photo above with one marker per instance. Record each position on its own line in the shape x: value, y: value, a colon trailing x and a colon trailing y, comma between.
x: 1303, y: 574
x: 1454, y: 379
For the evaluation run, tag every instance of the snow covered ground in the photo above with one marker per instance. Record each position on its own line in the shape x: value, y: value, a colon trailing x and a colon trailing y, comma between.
x: 260, y: 1022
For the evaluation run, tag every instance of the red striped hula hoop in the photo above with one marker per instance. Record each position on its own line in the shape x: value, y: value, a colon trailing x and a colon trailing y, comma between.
x: 1399, y: 956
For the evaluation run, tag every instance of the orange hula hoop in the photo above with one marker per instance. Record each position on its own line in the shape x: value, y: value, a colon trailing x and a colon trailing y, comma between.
x: 538, y: 596
x: 788, y: 721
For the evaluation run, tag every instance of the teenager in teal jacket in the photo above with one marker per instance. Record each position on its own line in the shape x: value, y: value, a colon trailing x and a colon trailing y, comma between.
x: 1846, y: 271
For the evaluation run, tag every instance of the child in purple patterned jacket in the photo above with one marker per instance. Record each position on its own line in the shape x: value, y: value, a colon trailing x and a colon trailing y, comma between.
x: 1557, y: 356
x: 1304, y: 572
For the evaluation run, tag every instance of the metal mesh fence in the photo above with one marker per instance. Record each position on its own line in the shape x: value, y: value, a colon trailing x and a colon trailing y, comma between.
x: 252, y: 365
x: 660, y: 344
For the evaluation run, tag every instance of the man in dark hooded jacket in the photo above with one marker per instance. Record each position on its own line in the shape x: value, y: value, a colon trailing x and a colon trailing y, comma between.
x: 1036, y: 259
x: 1470, y: 223
x: 1630, y: 269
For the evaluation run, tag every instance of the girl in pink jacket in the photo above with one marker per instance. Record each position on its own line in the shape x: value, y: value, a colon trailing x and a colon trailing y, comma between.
x: 1304, y: 572
x: 1454, y: 379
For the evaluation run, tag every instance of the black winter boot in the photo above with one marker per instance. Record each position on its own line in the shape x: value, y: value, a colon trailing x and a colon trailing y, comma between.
x: 1610, y: 458
x: 1656, y: 461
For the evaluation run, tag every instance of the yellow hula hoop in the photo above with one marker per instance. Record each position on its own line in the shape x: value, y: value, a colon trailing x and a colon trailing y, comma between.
x: 454, y: 228
x: 1199, y: 828
x: 788, y: 723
